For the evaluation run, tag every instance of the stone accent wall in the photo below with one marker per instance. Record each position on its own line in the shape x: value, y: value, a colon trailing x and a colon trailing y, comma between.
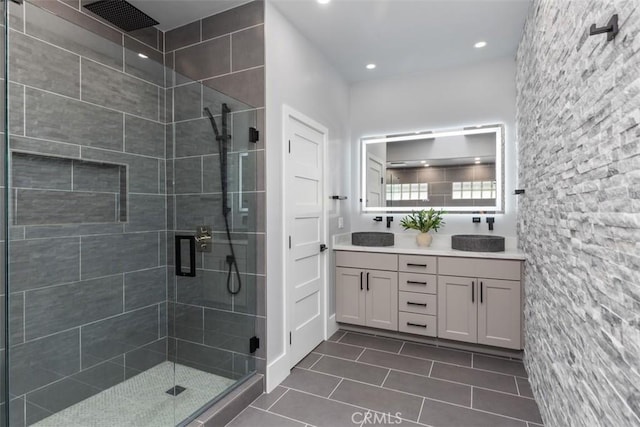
x: 578, y: 110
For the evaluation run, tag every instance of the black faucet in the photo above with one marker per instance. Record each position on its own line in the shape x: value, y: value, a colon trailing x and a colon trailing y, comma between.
x: 490, y: 221
x: 389, y: 221
x: 377, y: 219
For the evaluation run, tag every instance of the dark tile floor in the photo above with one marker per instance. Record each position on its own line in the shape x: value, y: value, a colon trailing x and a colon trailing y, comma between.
x: 360, y: 380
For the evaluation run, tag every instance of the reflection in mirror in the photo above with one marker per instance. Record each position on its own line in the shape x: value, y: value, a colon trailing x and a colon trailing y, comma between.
x: 458, y: 171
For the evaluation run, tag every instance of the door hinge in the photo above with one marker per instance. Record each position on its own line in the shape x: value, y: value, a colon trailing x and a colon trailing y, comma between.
x: 254, y: 135
x: 289, y: 146
x: 289, y: 242
x: 381, y: 180
x: 254, y: 344
x: 290, y: 337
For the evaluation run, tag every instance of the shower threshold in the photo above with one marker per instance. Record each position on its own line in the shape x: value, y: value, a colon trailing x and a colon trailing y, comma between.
x: 143, y: 400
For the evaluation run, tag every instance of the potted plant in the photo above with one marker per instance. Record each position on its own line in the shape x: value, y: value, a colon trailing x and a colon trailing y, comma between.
x: 423, y: 221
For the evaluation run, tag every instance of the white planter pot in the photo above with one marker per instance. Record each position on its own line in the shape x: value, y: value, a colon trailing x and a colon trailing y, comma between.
x: 424, y: 239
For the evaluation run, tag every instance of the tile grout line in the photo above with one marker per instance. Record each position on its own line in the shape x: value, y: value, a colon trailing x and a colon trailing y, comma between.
x: 385, y: 378
x: 417, y: 374
x: 279, y: 415
x: 471, y: 400
x: 401, y: 347
x: 335, y: 388
x: 409, y: 394
x: 421, y: 407
x: 517, y: 387
x: 278, y: 399
x: 203, y: 40
x: 314, y: 363
x: 409, y: 373
x: 428, y: 360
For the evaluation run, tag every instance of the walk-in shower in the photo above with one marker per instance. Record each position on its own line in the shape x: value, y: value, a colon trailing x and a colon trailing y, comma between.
x: 114, y: 144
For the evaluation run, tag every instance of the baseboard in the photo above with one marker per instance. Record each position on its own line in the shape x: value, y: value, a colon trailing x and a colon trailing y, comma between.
x: 277, y: 371
x: 332, y: 326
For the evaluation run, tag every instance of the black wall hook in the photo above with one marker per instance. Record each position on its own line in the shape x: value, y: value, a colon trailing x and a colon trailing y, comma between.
x: 611, y: 29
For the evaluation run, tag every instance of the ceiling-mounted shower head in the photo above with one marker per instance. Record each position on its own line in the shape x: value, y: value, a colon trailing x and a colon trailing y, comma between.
x: 121, y: 14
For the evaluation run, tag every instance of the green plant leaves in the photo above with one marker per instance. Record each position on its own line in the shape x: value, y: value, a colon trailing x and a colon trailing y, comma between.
x: 423, y: 220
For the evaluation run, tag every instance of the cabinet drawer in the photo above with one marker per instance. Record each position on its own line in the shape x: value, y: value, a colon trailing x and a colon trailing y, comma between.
x: 474, y: 267
x: 417, y: 264
x: 368, y: 260
x: 420, y: 324
x: 414, y: 282
x: 412, y: 302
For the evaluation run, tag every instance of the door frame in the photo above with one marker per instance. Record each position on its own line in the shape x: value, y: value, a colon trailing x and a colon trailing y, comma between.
x: 287, y: 114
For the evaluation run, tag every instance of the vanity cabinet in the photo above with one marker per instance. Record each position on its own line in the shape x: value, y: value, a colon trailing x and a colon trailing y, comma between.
x: 479, y: 301
x: 475, y: 300
x: 367, y: 295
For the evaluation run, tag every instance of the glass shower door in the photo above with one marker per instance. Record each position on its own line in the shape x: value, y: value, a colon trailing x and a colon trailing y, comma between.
x: 212, y: 200
x: 87, y: 220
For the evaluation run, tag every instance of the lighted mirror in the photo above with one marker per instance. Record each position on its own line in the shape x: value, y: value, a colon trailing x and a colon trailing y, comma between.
x: 456, y: 170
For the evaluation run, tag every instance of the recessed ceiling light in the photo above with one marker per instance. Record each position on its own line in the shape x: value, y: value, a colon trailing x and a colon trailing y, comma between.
x: 371, y: 66
x: 477, y: 162
x: 480, y: 44
x: 427, y: 165
x: 143, y: 56
x: 477, y: 159
x: 323, y: 1
x: 423, y: 161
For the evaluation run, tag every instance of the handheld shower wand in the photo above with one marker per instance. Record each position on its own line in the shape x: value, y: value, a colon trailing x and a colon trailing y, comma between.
x: 223, y: 148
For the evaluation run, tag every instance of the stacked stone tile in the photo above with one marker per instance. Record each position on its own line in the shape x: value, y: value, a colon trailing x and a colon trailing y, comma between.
x: 578, y: 115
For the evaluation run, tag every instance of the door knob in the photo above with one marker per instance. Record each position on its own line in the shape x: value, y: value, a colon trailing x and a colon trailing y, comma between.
x: 323, y: 247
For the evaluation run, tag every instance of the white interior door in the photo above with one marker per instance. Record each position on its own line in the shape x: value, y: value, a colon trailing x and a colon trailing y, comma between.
x: 375, y: 182
x: 304, y: 198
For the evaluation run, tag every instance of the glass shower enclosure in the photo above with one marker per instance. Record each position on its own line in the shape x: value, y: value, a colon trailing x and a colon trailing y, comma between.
x: 129, y: 291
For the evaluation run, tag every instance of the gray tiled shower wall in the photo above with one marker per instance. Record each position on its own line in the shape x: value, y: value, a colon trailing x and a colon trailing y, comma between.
x: 225, y: 53
x: 93, y: 303
x: 88, y: 287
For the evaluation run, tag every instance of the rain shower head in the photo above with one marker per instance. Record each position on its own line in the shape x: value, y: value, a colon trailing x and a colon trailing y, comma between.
x: 121, y: 14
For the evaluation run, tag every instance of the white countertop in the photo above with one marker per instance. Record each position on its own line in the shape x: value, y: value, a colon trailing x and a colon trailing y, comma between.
x: 405, y: 243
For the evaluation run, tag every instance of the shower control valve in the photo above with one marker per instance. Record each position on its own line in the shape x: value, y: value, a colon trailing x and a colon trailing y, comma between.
x: 204, y: 238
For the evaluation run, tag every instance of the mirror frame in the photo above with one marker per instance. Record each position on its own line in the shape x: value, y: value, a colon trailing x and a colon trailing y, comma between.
x: 499, y: 131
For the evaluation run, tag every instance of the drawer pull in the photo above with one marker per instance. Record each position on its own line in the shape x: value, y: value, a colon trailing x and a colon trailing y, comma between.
x: 416, y: 324
x: 416, y: 265
x: 412, y: 282
x: 421, y: 304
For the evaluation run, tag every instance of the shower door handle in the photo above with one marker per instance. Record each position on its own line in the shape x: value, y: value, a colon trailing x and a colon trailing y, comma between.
x: 192, y: 256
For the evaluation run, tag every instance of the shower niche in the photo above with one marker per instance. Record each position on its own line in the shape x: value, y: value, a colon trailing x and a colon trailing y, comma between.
x: 56, y: 190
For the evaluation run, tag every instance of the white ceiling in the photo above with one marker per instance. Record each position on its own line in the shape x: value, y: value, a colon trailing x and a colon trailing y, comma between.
x: 407, y: 36
x: 175, y: 13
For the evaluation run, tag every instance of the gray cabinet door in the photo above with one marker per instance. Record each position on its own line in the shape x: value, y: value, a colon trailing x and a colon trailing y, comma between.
x: 499, y: 313
x: 382, y: 299
x: 457, y: 309
x: 350, y: 296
